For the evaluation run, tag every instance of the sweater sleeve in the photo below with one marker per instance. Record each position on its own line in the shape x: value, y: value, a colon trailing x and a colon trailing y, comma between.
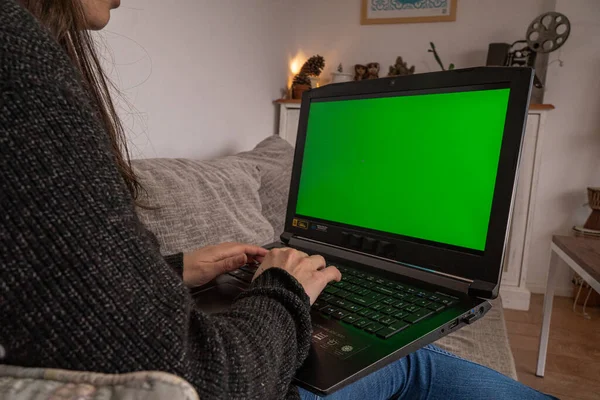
x: 175, y: 261
x: 82, y: 286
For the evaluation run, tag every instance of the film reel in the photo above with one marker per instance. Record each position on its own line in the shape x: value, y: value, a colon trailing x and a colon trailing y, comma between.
x: 548, y: 32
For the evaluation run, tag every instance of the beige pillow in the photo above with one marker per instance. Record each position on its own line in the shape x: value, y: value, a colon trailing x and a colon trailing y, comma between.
x: 202, y: 202
x: 274, y: 157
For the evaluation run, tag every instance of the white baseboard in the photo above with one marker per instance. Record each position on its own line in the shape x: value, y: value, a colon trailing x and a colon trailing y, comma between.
x: 515, y: 298
x: 560, y: 290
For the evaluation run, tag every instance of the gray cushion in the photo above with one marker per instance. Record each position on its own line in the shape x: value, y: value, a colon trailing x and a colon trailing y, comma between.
x: 485, y: 342
x: 202, y: 202
x: 42, y: 384
x: 273, y: 157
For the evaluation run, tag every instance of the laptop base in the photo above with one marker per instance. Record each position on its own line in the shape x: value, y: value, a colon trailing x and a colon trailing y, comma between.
x: 342, y: 353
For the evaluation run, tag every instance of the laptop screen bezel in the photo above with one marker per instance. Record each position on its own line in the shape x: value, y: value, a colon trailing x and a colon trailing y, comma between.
x: 464, y: 263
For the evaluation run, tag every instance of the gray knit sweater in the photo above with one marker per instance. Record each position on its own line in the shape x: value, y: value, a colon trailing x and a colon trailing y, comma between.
x: 82, y: 285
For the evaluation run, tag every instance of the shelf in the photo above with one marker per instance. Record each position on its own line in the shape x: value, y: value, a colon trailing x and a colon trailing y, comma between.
x: 531, y: 106
x: 287, y: 101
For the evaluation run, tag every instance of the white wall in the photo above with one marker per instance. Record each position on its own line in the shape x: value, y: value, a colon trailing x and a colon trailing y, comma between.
x: 571, y: 149
x: 332, y: 28
x: 571, y: 146
x: 201, y: 74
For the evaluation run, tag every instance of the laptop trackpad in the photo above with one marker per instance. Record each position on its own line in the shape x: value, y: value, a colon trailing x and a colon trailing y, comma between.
x: 217, y: 298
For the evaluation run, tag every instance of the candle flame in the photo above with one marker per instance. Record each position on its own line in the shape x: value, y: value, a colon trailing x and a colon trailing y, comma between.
x: 296, y: 62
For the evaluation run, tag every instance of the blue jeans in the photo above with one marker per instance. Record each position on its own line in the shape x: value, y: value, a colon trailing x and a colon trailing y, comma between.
x: 431, y: 374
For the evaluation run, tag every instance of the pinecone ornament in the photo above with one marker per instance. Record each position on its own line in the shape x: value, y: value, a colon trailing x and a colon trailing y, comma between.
x: 313, y: 66
x: 301, y: 79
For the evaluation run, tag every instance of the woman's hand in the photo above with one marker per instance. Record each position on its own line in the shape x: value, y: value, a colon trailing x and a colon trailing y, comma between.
x: 311, y: 272
x: 203, y: 265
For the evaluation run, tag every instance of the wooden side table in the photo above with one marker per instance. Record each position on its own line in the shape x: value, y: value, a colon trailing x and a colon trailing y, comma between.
x: 582, y: 256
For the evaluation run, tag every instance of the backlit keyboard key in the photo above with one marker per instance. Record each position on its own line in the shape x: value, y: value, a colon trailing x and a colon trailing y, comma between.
x: 377, y: 296
x: 365, y: 312
x: 331, y: 290
x: 329, y: 310
x: 400, y: 304
x: 367, y: 284
x: 339, y: 314
x: 326, y: 297
x: 376, y: 316
x: 363, y: 323
x: 387, y: 320
x: 388, y: 310
x: 353, y: 288
x: 319, y: 304
x: 410, y: 299
x: 374, y: 328
x: 447, y: 301
x: 352, y: 280
x: 351, y: 319
x: 339, y: 303
x: 436, y: 306
x: 419, y: 315
x: 383, y: 289
x: 353, y: 308
x: 422, y: 303
x: 401, y: 314
x: 412, y: 308
x: 363, y: 301
x: 390, y: 331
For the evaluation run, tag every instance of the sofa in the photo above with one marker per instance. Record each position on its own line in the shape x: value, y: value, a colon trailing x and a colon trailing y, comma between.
x: 191, y: 203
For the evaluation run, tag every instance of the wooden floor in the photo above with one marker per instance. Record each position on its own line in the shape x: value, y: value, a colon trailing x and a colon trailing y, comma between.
x: 573, y: 362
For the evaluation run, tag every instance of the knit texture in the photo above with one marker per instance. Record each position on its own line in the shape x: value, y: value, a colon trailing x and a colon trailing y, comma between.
x: 175, y: 261
x: 82, y: 284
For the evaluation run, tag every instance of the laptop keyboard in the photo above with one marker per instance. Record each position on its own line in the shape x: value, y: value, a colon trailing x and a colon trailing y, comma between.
x: 376, y: 305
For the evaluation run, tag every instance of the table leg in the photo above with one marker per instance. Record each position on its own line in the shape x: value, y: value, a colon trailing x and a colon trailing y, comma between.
x: 548, y: 299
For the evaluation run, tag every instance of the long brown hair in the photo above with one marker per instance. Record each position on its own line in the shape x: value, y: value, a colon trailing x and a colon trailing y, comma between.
x: 65, y: 19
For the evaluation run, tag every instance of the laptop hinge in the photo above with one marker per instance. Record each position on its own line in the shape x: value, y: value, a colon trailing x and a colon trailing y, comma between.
x: 484, y: 289
x: 410, y: 271
x: 285, y: 237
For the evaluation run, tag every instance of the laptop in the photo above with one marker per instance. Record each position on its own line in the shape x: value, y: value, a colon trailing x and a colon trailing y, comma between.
x: 406, y: 184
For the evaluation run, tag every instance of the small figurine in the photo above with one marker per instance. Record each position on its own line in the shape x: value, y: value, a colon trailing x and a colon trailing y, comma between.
x: 372, y: 71
x: 360, y: 72
x: 401, y: 68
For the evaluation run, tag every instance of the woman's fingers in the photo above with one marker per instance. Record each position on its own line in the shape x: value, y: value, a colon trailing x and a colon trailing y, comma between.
x: 316, y: 262
x: 331, y: 274
x: 226, y: 250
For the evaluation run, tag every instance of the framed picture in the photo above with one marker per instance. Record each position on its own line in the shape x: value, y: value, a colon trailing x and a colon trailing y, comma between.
x: 407, y: 11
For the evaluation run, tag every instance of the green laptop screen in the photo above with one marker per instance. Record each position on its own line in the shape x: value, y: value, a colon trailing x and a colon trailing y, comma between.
x: 422, y: 166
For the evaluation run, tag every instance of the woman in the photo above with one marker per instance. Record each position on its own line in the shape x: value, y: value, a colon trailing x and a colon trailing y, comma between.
x: 83, y: 286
